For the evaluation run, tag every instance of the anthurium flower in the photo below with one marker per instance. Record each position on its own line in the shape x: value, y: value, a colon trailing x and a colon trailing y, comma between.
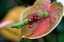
x: 48, y: 15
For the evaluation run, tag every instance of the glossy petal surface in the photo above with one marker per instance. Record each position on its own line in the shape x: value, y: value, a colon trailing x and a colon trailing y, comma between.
x: 45, y: 25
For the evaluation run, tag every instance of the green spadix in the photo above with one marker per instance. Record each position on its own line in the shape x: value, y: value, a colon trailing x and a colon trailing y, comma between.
x: 20, y: 24
x: 42, y: 14
x: 25, y: 21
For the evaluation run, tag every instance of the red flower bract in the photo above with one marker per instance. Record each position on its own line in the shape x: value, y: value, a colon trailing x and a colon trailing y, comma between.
x: 45, y: 25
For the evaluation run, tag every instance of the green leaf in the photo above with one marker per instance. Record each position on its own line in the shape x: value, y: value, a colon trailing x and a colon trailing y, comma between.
x: 53, y: 0
x: 60, y: 27
x: 51, y: 37
x: 61, y: 37
x: 27, y: 40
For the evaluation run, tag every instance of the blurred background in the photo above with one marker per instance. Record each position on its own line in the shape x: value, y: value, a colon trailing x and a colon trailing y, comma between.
x: 10, y: 9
